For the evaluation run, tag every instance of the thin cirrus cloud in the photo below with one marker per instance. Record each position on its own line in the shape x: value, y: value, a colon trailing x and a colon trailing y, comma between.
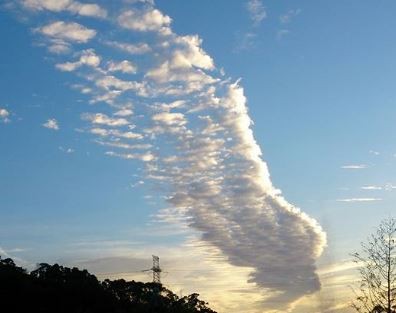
x: 354, y: 166
x: 287, y: 17
x: 257, y: 11
x: 386, y: 187
x: 66, y: 150
x: 359, y: 200
x: 192, y: 130
x: 372, y: 188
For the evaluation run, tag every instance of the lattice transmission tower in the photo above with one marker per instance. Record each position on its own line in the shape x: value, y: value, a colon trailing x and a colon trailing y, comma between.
x: 156, y: 270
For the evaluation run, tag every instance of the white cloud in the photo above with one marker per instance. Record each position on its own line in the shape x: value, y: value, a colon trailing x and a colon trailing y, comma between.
x: 170, y: 118
x: 202, y: 151
x: 141, y: 1
x: 109, y: 82
x: 4, y: 115
x: 371, y: 188
x: 280, y: 34
x: 87, y: 9
x: 359, y: 199
x: 191, y: 54
x: 124, y: 112
x: 123, y: 145
x: 289, y: 15
x: 244, y: 41
x: 354, y: 166
x: 374, y: 152
x: 123, y: 66
x: 225, y: 189
x: 87, y: 58
x: 68, y: 31
x: 139, y: 48
x: 59, y: 47
x: 66, y: 150
x: 149, y: 20
x: 51, y: 124
x: 145, y: 157
x: 192, y: 79
x: 103, y: 119
x: 115, y: 133
x: 52, y: 5
x: 257, y: 11
x: 74, y: 7
x: 387, y: 187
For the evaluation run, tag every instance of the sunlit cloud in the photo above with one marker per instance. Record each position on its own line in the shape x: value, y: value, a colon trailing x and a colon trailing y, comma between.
x: 60, y: 35
x: 75, y: 7
x: 71, y: 31
x: 132, y: 48
x: 87, y: 58
x: 147, y: 20
x: 103, y: 119
x: 123, y: 66
x: 190, y: 128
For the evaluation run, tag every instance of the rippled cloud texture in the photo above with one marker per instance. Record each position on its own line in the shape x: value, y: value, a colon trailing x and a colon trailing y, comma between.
x: 161, y: 100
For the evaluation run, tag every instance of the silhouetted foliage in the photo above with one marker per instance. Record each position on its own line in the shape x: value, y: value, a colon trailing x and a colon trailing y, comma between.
x: 58, y: 289
x: 377, y: 269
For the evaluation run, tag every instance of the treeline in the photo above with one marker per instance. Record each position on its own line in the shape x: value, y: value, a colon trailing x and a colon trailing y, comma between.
x: 58, y: 289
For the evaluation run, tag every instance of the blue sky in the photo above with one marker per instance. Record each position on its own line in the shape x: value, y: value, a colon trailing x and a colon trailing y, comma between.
x: 318, y: 79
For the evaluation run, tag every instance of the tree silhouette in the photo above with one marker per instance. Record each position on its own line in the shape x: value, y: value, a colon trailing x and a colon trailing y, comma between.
x: 377, y: 261
x: 54, y: 288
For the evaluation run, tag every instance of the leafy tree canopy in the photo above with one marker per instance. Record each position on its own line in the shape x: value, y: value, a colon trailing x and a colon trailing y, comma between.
x: 59, y: 289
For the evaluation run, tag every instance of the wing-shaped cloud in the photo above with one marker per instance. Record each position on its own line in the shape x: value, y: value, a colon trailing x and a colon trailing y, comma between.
x: 191, y: 128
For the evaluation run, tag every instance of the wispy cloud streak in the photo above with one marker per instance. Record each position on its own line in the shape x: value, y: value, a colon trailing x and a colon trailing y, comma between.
x: 257, y: 11
x: 359, y: 200
x: 354, y: 167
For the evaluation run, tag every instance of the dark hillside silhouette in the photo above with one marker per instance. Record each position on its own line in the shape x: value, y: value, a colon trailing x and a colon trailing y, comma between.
x: 58, y: 289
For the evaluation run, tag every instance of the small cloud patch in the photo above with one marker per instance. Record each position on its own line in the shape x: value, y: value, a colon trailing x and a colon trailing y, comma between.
x: 51, y: 124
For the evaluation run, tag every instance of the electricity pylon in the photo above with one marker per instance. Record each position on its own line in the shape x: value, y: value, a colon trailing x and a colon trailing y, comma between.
x: 156, y: 270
